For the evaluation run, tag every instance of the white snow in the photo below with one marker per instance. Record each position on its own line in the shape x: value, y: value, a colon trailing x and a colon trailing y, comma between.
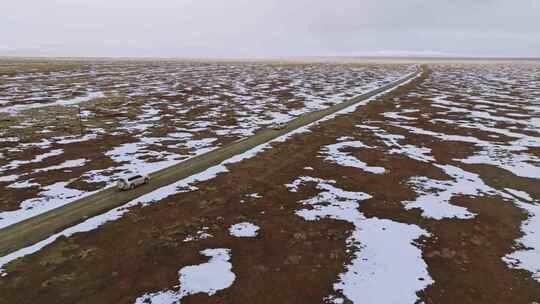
x: 38, y: 158
x: 517, y: 164
x: 254, y: 195
x: 334, y: 154
x: 66, y: 102
x: 520, y: 194
x: 435, y: 195
x: 75, y: 139
x: 528, y: 258
x: 9, y: 178
x: 397, y: 116
x: 23, y: 184
x: 504, y: 156
x: 50, y: 197
x: 295, y: 185
x: 244, y: 229
x: 386, y: 266
x: 199, y: 235
x: 209, y: 278
x: 67, y: 164
x: 422, y: 154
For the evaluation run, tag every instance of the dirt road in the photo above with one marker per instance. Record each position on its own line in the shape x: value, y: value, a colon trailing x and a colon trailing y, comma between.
x: 40, y: 227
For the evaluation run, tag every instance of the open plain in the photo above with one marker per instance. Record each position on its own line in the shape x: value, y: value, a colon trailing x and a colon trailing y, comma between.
x: 428, y: 193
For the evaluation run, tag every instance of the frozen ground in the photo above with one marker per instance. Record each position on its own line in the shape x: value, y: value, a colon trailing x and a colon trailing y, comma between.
x: 206, y: 278
x: 142, y: 117
x: 413, y: 200
x: 386, y: 265
x: 494, y: 108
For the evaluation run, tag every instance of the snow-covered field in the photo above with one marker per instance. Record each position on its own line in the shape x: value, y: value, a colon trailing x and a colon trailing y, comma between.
x: 384, y: 251
x: 495, y: 108
x: 412, y: 198
x: 143, y: 117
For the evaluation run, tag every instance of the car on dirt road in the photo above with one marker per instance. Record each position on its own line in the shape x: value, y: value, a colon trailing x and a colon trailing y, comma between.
x: 132, y: 181
x: 279, y: 126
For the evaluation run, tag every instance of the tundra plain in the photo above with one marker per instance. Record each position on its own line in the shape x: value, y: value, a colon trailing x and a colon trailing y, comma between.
x: 427, y: 194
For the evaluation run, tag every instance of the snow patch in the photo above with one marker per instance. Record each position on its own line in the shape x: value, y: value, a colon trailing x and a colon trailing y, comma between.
x: 528, y: 258
x: 244, y: 229
x: 209, y: 278
x: 435, y: 195
x: 386, y: 267
x: 334, y: 154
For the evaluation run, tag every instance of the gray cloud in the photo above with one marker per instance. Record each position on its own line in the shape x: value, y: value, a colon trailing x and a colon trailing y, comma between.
x: 236, y: 28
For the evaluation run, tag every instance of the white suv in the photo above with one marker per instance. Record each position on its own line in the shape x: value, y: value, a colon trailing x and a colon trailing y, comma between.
x: 279, y: 126
x: 130, y: 182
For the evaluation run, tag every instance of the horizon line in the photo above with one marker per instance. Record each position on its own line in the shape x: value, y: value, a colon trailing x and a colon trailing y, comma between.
x: 278, y: 58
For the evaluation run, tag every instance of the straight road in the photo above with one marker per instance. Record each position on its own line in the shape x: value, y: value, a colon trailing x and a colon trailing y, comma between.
x: 35, y: 229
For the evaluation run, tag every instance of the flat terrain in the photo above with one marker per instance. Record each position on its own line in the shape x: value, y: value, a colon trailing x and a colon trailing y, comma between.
x: 41, y: 226
x: 144, y: 116
x: 428, y: 194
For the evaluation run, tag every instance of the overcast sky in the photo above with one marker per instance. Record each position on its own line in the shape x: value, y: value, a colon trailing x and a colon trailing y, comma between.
x: 270, y: 28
